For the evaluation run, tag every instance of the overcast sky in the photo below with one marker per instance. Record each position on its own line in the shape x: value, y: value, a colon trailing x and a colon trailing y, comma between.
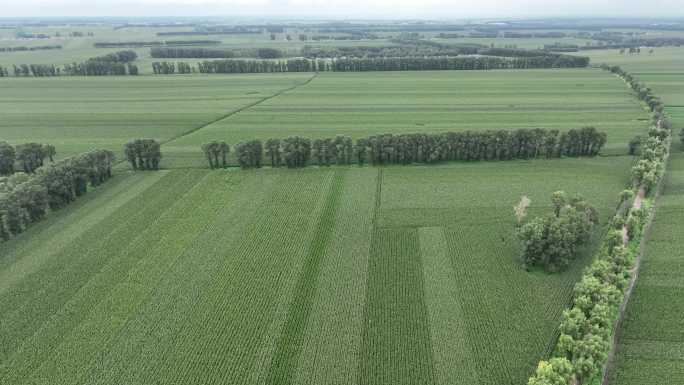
x: 386, y: 9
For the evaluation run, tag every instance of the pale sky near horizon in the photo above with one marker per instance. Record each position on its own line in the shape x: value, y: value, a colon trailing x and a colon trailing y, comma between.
x: 382, y: 9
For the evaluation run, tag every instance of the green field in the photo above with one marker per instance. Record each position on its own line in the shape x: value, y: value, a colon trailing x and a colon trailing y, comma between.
x: 77, y: 114
x: 398, y: 275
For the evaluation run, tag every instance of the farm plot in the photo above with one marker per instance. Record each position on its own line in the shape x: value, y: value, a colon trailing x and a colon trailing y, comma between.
x: 78, y: 114
x: 347, y: 275
x: 361, y: 104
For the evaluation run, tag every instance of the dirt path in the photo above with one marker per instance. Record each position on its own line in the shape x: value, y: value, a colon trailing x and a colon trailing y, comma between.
x: 635, y: 205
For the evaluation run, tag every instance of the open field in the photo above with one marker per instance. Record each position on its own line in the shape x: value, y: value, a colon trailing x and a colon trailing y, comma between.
x: 77, y: 114
x: 397, y: 275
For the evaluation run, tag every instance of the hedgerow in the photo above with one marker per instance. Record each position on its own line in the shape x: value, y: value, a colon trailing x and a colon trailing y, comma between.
x: 586, y: 330
x: 420, y: 148
x: 27, y: 198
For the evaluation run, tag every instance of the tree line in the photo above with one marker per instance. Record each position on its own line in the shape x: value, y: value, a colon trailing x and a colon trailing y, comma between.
x: 118, y: 63
x: 212, y: 53
x: 553, y: 241
x: 27, y: 198
x: 140, y: 44
x: 33, y: 48
x: 29, y: 156
x: 586, y: 329
x: 650, y: 166
x: 143, y: 154
x: 390, y: 64
x: 401, y: 50
x: 415, y: 148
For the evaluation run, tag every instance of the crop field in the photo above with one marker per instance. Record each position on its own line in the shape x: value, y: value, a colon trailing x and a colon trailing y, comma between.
x: 314, y: 276
x: 361, y: 104
x: 78, y: 114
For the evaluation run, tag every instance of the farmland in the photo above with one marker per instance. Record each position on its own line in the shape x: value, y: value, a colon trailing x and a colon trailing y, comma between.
x: 78, y: 114
x: 168, y: 274
x: 366, y: 275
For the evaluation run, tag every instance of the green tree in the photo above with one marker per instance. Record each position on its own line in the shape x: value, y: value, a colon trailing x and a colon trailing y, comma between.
x: 7, y: 158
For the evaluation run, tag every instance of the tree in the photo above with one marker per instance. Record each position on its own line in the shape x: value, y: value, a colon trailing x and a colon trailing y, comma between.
x: 7, y: 158
x: 273, y: 151
x: 552, y: 241
x: 249, y: 153
x: 31, y: 156
x: 210, y: 151
x: 143, y: 154
x: 681, y: 136
x: 557, y: 371
x: 27, y: 198
x: 559, y: 200
x: 49, y: 152
x: 634, y: 145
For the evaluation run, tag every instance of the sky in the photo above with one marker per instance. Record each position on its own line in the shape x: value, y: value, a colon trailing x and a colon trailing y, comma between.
x: 362, y: 9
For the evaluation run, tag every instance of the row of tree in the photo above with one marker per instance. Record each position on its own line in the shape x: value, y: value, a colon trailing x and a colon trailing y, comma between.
x: 403, y: 49
x: 143, y: 154
x: 586, y: 329
x: 212, y: 53
x: 421, y: 148
x: 27, y: 198
x: 139, y: 44
x: 650, y: 166
x: 29, y: 156
x: 390, y: 64
x: 170, y: 68
x: 644, y: 93
x: 216, y: 153
x: 117, y: 63
x: 32, y: 48
x: 553, y: 241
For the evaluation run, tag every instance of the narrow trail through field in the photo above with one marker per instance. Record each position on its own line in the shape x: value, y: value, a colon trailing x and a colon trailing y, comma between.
x: 240, y: 109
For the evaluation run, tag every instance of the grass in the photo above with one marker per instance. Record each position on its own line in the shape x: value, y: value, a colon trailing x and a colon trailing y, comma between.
x: 290, y: 276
